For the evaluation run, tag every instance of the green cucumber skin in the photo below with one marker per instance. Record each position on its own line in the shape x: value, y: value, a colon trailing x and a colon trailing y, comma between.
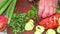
x: 3, y: 3
x: 4, y: 7
x: 11, y: 10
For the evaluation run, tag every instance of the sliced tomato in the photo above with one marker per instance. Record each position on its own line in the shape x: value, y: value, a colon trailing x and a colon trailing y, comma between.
x: 50, y: 22
x: 3, y: 23
x: 44, y: 23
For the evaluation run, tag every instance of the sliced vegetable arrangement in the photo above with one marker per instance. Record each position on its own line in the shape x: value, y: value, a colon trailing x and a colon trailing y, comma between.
x: 26, y: 21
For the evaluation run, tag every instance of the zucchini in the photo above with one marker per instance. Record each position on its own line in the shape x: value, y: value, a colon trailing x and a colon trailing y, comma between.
x: 3, y: 3
x: 5, y: 6
x: 10, y: 10
x: 40, y: 28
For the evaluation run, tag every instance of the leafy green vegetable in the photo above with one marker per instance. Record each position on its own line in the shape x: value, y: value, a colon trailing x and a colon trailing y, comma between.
x: 18, y: 22
x: 33, y: 12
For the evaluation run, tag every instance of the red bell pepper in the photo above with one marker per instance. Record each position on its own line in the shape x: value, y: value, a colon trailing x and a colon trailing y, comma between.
x: 50, y: 22
x: 3, y: 23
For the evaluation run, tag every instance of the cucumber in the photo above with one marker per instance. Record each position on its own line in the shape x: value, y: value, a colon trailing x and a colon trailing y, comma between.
x: 50, y: 31
x: 37, y: 32
x: 58, y: 29
x: 5, y: 6
x: 40, y: 28
x: 3, y: 3
x: 10, y: 10
x: 31, y: 21
x: 29, y: 27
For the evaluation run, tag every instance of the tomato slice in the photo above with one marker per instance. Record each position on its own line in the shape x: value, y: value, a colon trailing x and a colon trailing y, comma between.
x: 44, y: 23
x: 50, y: 22
x: 3, y: 23
x: 3, y: 27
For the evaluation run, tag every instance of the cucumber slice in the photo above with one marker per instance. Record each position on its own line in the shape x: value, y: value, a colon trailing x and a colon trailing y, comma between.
x: 58, y: 29
x: 59, y: 21
x: 37, y: 32
x: 40, y: 28
x: 29, y: 27
x: 31, y: 21
x: 50, y: 31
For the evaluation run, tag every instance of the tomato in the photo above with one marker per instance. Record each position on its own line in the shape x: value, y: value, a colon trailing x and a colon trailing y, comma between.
x: 44, y: 23
x: 50, y: 22
x: 3, y: 23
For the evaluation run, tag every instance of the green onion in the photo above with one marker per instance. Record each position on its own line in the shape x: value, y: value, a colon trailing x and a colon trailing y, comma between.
x: 3, y: 3
x: 10, y: 10
x: 4, y: 7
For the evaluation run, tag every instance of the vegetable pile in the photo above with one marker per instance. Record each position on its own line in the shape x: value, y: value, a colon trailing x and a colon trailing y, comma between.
x: 18, y: 23
x: 22, y: 22
x: 26, y: 21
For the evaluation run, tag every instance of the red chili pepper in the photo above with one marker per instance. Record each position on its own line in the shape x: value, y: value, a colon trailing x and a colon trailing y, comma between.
x: 50, y: 22
x: 3, y: 23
